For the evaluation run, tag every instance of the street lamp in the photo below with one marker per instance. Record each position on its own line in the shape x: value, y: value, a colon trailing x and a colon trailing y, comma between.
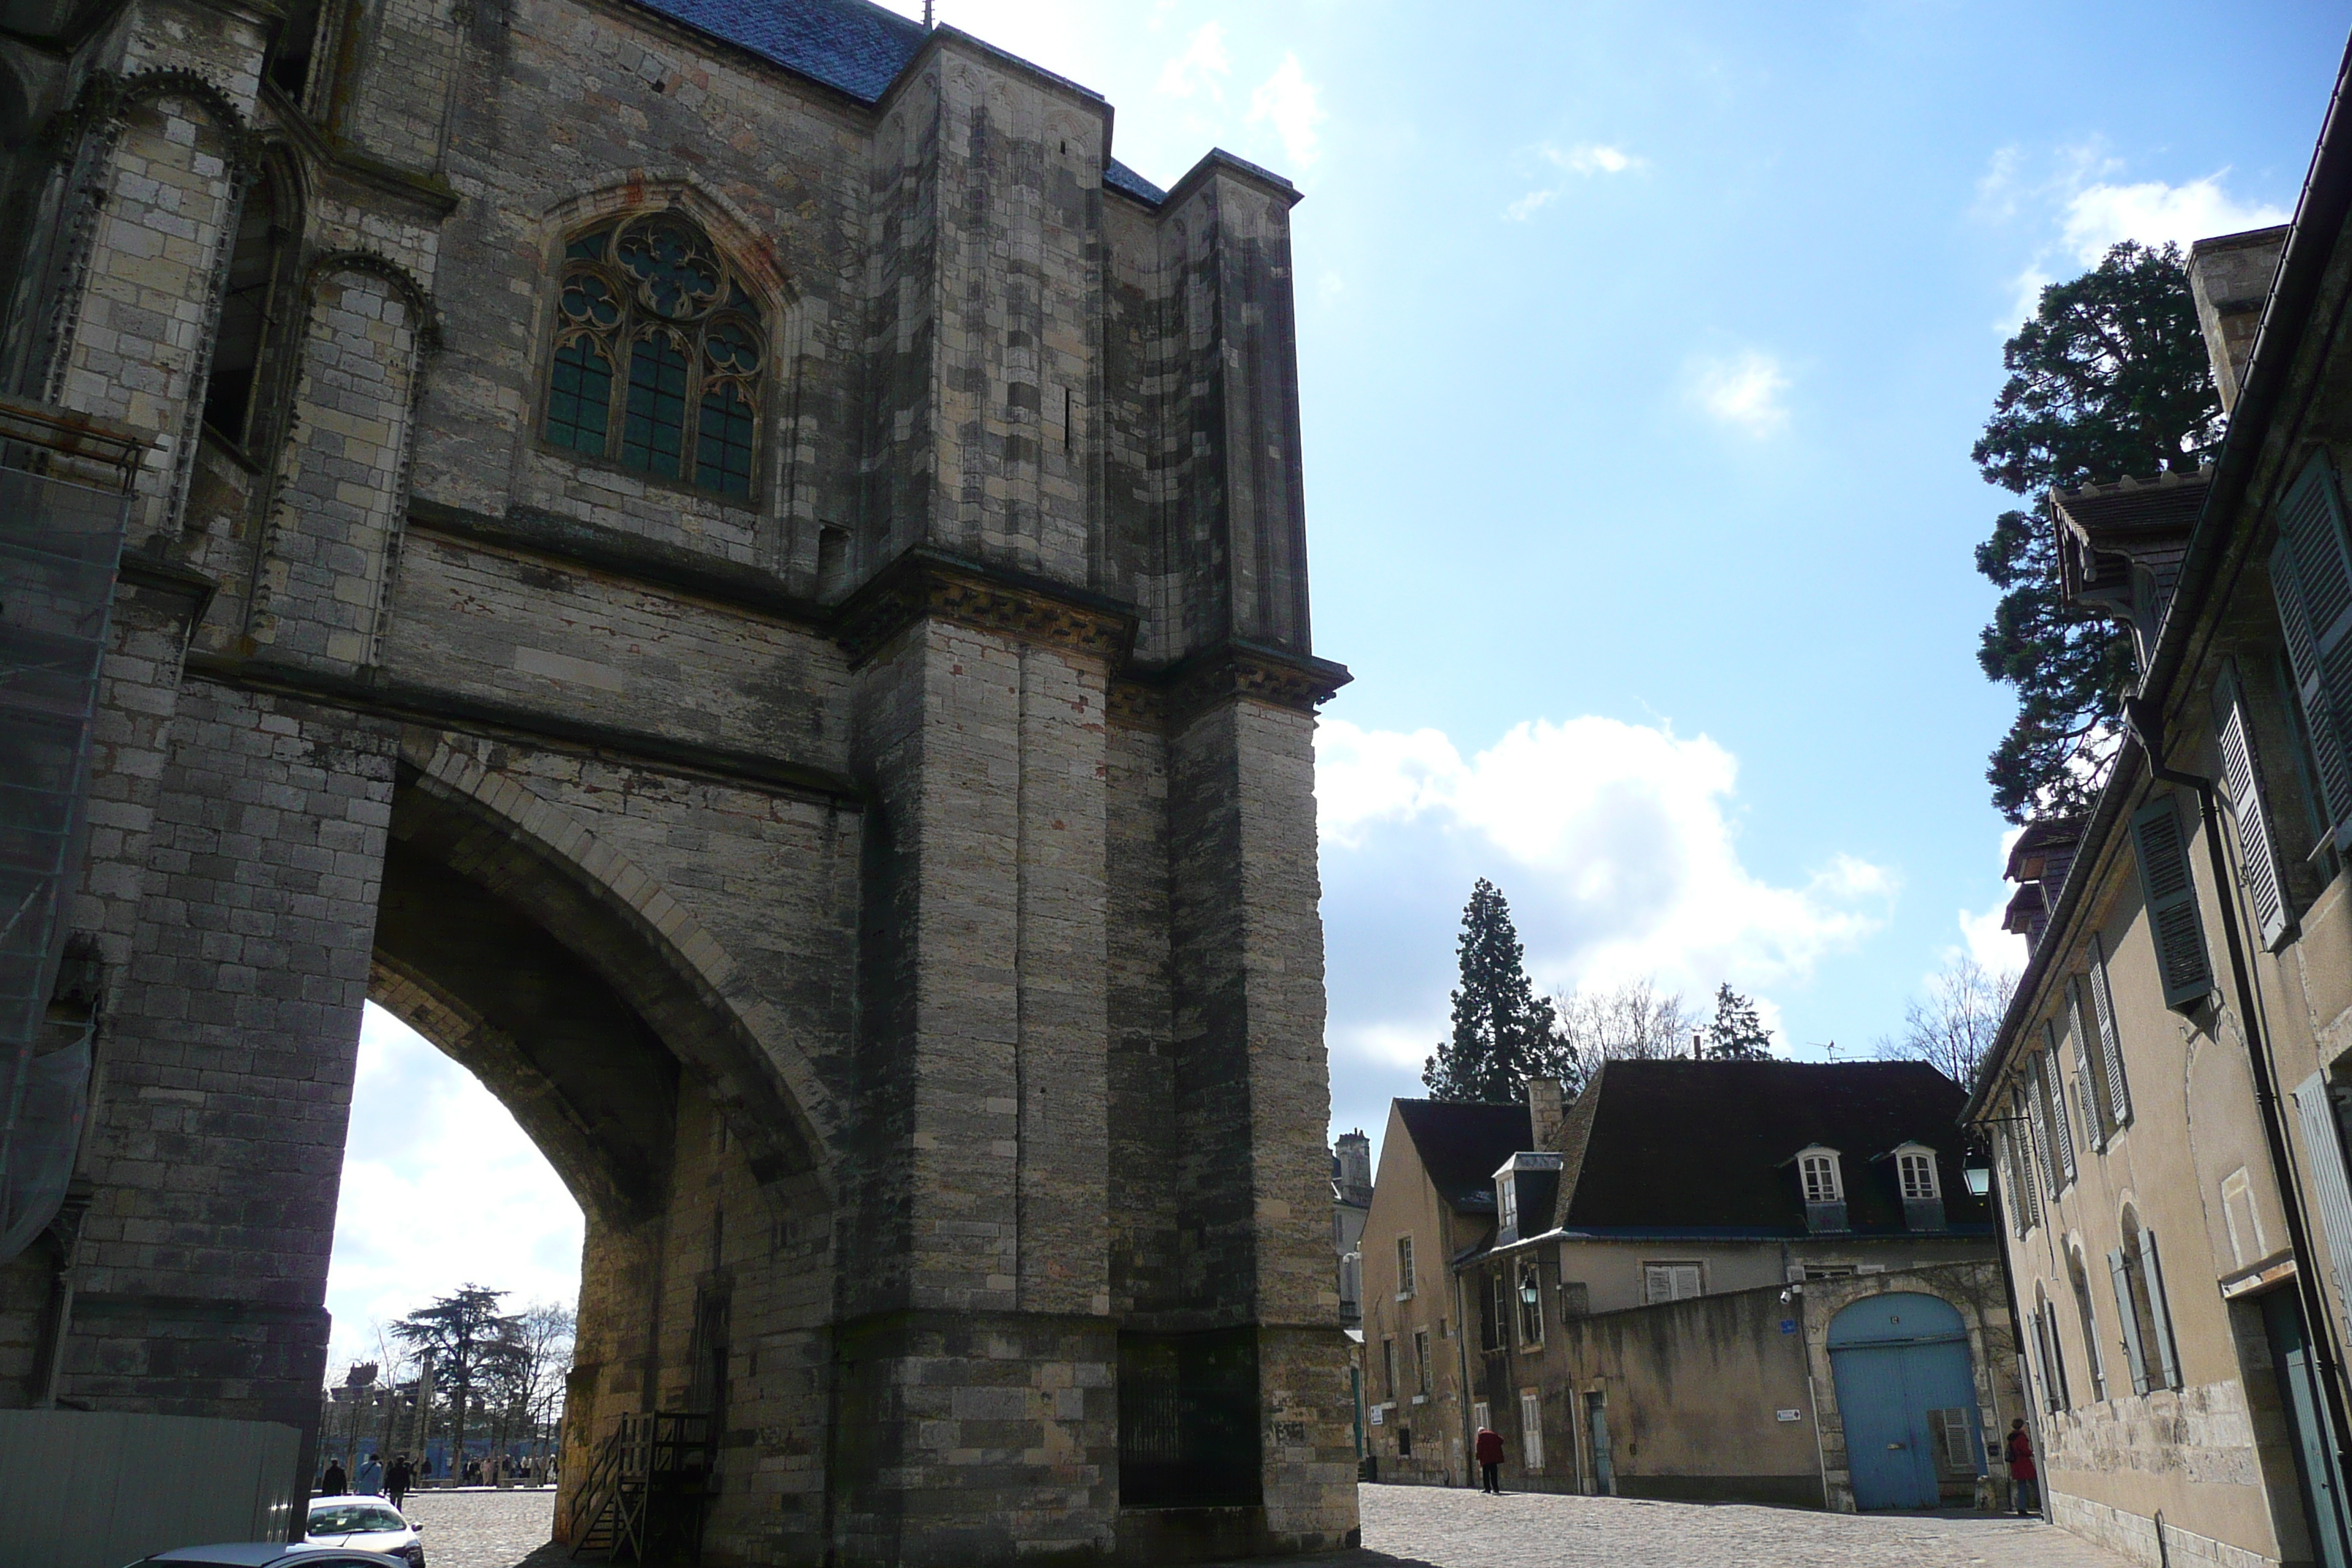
x: 1979, y: 1179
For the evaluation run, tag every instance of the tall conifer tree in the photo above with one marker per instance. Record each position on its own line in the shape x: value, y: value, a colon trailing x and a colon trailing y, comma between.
x: 2108, y: 381
x: 1504, y: 1034
x: 1737, y: 1034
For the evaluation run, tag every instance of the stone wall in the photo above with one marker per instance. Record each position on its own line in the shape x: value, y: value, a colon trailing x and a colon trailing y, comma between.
x: 889, y: 897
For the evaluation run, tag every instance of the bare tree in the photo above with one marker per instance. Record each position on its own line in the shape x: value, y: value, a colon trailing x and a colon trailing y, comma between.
x: 1631, y: 1020
x: 543, y: 1334
x: 1953, y: 1026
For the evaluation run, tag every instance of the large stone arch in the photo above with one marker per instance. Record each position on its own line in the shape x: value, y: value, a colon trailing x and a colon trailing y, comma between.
x: 621, y: 1035
x: 618, y: 919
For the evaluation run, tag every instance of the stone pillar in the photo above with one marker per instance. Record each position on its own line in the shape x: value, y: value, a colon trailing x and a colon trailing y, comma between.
x: 975, y: 1353
x: 989, y: 174
x: 217, y: 1143
x: 1252, y: 1087
x: 341, y: 485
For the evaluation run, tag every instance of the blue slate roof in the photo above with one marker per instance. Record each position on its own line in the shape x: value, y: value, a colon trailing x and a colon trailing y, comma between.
x: 851, y: 45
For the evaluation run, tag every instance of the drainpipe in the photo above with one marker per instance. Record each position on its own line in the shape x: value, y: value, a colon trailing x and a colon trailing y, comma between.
x: 2146, y: 721
x: 1461, y: 1395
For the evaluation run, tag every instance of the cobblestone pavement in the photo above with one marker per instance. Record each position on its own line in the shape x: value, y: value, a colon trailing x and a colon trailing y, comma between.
x: 481, y: 1528
x: 1435, y: 1526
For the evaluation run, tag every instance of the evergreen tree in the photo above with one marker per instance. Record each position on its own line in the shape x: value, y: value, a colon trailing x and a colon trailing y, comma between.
x: 1738, y: 1035
x: 1504, y: 1034
x: 471, y: 1344
x: 2108, y: 381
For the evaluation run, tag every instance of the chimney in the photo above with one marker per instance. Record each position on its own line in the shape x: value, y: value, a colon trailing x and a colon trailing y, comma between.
x: 1546, y: 1110
x: 2230, y: 276
x: 1697, y: 1036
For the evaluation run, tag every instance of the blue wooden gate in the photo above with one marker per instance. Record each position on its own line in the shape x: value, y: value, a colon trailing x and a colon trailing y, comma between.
x: 1899, y: 1359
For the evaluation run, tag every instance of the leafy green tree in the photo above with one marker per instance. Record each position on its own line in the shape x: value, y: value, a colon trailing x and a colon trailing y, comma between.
x: 2108, y: 381
x: 470, y: 1345
x: 1504, y: 1034
x: 1737, y: 1034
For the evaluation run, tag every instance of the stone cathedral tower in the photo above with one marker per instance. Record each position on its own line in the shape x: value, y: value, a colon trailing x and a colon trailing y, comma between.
x: 729, y: 564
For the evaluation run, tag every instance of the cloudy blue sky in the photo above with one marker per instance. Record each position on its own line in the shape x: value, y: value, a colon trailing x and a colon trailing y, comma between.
x: 1642, y: 345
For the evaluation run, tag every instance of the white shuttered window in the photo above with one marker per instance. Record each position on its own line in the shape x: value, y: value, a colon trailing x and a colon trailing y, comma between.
x: 2257, y: 863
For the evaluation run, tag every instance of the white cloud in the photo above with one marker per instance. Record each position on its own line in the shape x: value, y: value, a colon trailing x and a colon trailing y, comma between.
x: 2075, y: 204
x: 1518, y: 210
x: 1586, y: 159
x: 1614, y: 842
x: 1201, y: 67
x: 1595, y: 158
x: 2153, y: 213
x: 1743, y: 391
x: 1288, y: 102
x: 440, y: 1189
x: 1982, y: 938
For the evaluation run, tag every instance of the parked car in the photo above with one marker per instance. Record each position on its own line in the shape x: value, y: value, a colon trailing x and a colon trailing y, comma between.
x: 366, y: 1522
x: 272, y: 1554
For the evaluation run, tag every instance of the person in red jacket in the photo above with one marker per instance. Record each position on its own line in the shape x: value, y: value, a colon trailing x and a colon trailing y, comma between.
x: 1490, y: 1460
x: 2024, y: 1492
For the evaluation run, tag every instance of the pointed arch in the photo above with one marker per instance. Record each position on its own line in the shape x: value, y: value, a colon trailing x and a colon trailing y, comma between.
x: 650, y: 949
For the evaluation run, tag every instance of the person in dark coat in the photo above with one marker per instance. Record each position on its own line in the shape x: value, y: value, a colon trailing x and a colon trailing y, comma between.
x: 1490, y: 1460
x: 334, y: 1482
x: 2024, y: 1480
x: 399, y: 1479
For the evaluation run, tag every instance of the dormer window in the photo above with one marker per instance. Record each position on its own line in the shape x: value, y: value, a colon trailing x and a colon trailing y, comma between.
x: 1506, y: 1198
x: 1822, y: 1181
x: 1922, y: 1188
x: 1820, y: 1175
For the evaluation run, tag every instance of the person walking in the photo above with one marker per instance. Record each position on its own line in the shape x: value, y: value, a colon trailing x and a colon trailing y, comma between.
x: 370, y: 1477
x: 1490, y: 1460
x: 2024, y: 1489
x: 334, y: 1482
x: 397, y: 1480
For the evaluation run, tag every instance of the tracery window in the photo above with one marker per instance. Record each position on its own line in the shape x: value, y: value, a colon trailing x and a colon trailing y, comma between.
x: 658, y: 359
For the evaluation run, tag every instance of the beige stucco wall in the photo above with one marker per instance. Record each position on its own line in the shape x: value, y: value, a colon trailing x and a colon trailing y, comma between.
x: 1404, y: 1202
x: 1611, y: 1271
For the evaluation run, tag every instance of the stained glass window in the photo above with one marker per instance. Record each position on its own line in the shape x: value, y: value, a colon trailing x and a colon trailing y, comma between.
x: 649, y: 303
x: 582, y: 396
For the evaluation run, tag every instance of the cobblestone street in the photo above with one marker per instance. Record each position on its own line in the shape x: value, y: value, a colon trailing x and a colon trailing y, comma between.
x: 1432, y: 1527
x: 1441, y: 1528
x: 479, y: 1528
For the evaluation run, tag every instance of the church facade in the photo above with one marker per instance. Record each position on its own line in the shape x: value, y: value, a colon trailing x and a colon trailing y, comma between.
x: 735, y: 569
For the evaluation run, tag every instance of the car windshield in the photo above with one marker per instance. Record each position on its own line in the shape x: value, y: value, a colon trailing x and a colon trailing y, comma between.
x: 351, y: 1517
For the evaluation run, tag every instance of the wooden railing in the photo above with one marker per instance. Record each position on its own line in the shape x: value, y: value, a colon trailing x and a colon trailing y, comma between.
x: 644, y: 1497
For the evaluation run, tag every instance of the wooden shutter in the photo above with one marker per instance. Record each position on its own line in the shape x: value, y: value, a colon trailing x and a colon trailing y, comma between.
x: 2167, y: 1359
x: 2129, y: 1315
x: 2111, y: 1044
x: 2061, y: 1126
x: 2170, y: 892
x: 2038, y: 1119
x: 2311, y: 575
x: 2257, y: 862
x: 2089, y: 1064
x: 2323, y: 1145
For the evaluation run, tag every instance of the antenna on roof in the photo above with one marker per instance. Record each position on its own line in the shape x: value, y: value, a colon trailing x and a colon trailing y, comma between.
x: 927, y: 14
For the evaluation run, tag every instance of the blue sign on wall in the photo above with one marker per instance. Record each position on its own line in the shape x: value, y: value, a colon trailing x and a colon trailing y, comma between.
x: 1788, y: 1325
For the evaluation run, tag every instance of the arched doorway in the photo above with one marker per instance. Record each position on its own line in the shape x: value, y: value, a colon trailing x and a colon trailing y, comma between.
x: 687, y: 1158
x: 1906, y: 1395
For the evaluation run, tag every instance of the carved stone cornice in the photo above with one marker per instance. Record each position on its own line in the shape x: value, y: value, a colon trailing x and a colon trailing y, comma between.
x: 1137, y: 704
x: 929, y: 584
x: 1182, y: 690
